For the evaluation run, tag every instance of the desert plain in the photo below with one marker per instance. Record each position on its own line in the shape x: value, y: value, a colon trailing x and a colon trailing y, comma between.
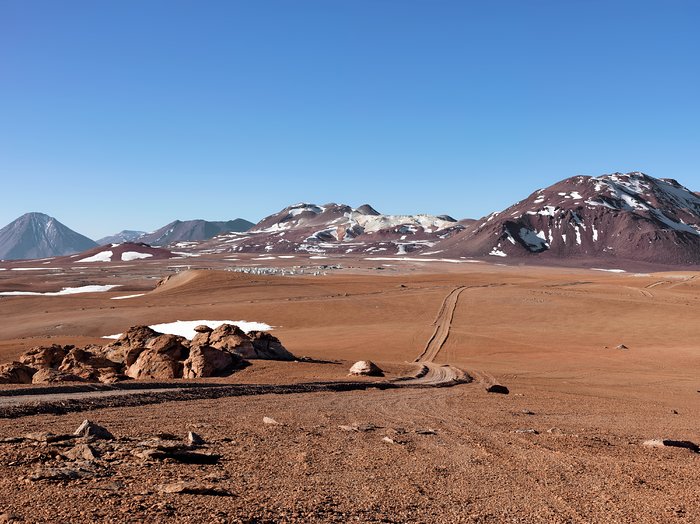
x: 596, y: 364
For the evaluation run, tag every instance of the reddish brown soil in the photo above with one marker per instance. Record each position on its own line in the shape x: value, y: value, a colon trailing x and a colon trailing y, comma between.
x: 542, y: 332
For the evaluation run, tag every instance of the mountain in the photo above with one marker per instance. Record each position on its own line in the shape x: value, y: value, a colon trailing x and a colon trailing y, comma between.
x: 338, y: 228
x: 123, y: 236
x: 192, y: 230
x: 36, y: 235
x: 616, y: 217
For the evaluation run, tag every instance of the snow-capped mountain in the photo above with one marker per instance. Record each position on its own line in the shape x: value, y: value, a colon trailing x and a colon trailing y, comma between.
x: 192, y: 230
x: 629, y: 216
x: 36, y: 235
x: 123, y: 236
x: 338, y: 228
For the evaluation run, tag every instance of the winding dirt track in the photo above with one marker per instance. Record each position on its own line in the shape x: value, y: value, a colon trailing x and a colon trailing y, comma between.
x: 442, y: 324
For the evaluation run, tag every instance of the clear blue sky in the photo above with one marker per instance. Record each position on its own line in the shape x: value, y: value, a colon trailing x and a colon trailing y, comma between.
x: 130, y: 113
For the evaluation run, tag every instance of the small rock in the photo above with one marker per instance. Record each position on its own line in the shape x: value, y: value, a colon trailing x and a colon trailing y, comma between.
x: 45, y: 436
x: 81, y: 452
x: 348, y: 428
x: 193, y: 439
x: 670, y: 443
x: 203, y: 328
x: 527, y: 430
x: 497, y: 388
x: 193, y: 488
x: 426, y: 432
x: 555, y: 431
x: 527, y: 412
x: 621, y: 346
x: 270, y: 421
x: 366, y: 368
x: 388, y: 440
x: 90, y: 429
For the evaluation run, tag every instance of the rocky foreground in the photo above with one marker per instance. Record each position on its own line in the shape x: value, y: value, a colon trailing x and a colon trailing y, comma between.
x: 142, y: 353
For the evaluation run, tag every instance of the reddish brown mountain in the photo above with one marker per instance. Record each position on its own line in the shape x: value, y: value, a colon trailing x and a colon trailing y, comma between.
x: 338, y: 229
x: 617, y: 217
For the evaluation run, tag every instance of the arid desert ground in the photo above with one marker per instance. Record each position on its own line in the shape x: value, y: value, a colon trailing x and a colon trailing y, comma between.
x: 596, y: 363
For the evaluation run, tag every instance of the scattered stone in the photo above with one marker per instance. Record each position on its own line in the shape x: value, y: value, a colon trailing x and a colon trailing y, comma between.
x: 497, y: 388
x: 90, y: 429
x: 193, y: 439
x: 45, y: 436
x: 366, y: 368
x: 79, y: 470
x: 193, y: 488
x: 81, y: 452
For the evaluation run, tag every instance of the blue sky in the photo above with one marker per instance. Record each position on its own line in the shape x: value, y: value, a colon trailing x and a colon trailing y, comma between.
x: 128, y: 114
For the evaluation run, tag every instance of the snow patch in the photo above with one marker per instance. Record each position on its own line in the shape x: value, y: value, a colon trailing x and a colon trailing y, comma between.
x: 102, y: 256
x: 128, y: 256
x: 64, y: 291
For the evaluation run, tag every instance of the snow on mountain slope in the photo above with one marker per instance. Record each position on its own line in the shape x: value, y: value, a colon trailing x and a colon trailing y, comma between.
x: 628, y: 216
x: 123, y: 236
x: 338, y: 228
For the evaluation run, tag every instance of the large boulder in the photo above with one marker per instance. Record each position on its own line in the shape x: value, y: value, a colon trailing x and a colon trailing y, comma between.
x: 87, y: 363
x: 268, y: 347
x: 16, y: 373
x: 152, y: 364
x: 129, y: 345
x: 45, y: 356
x: 366, y: 368
x: 53, y: 376
x: 206, y: 361
x: 174, y: 346
x: 227, y: 337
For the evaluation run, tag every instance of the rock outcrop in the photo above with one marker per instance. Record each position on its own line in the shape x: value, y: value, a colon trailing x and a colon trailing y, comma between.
x: 142, y: 353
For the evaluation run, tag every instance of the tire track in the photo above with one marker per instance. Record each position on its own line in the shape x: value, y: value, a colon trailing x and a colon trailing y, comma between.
x: 442, y: 323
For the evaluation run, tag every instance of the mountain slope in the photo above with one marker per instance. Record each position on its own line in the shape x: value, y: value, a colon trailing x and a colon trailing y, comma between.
x: 338, y: 228
x: 191, y: 230
x: 123, y: 236
x: 36, y: 235
x: 613, y: 217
